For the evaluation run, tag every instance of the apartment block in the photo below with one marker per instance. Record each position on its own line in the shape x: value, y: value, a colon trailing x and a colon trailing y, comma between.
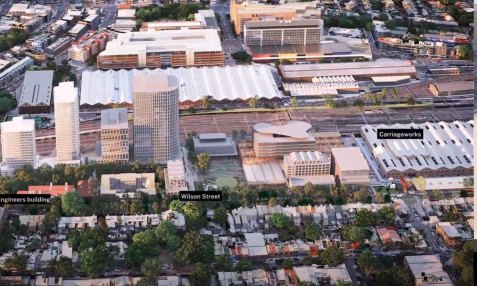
x: 88, y: 46
x: 67, y: 123
x: 115, y: 135
x: 58, y: 47
x: 18, y: 142
x: 170, y: 48
x: 156, y: 118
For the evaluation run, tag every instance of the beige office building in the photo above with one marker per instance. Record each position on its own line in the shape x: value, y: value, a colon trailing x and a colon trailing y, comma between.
x: 242, y: 12
x: 306, y: 164
x: 67, y: 123
x: 279, y: 140
x: 18, y: 142
x: 115, y: 135
x: 156, y: 118
x: 350, y: 166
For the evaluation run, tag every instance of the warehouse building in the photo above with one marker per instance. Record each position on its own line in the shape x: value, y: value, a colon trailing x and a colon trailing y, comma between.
x: 36, y: 92
x: 224, y: 84
x: 451, y: 88
x: 358, y: 70
x: 445, y: 151
x: 333, y: 85
x: 427, y: 270
x: 154, y: 49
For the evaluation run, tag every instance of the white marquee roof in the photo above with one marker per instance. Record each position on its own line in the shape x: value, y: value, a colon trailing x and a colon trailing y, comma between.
x: 445, y: 145
x: 239, y: 82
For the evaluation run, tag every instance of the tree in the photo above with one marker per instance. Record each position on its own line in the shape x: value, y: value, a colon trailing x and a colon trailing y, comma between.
x: 333, y: 256
x: 203, y: 161
x: 244, y: 265
x: 242, y: 57
x: 365, y: 218
x: 94, y: 261
x: 252, y: 102
x: 17, y: 263
x: 308, y: 188
x: 200, y: 275
x: 147, y: 240
x: 386, y: 216
x: 5, y: 105
x: 396, y: 94
x: 287, y: 263
x: 329, y: 100
x: 379, y: 198
x: 151, y: 267
x: 450, y: 216
x: 280, y: 220
x: 222, y: 263
x: 438, y: 195
x: 391, y: 24
x: 220, y: 215
x: 294, y: 102
x: 468, y: 182
x: 272, y: 202
x: 410, y: 101
x: 358, y: 102
x: 354, y: 233
x: 63, y: 267
x: 206, y: 101
x: 72, y: 204
x: 464, y: 262
x: 135, y: 256
x: 195, y: 248
x: 165, y: 229
x: 361, y: 195
x: 465, y: 52
x: 312, y: 231
x: 367, y: 263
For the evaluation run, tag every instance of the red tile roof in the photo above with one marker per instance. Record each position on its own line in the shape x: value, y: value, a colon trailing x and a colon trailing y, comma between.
x: 54, y: 190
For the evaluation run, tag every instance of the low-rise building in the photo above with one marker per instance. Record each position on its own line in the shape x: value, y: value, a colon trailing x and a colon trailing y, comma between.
x: 33, y: 222
x: 388, y: 235
x: 350, y: 166
x: 170, y: 25
x: 78, y: 30
x: 427, y: 270
x: 92, y: 21
x: 451, y: 88
x: 215, y: 144
x: 53, y: 190
x: 125, y: 183
x: 38, y: 42
x: 208, y: 19
x: 175, y: 177
x: 303, y: 167
x: 449, y: 233
x: 58, y: 47
x: 321, y: 275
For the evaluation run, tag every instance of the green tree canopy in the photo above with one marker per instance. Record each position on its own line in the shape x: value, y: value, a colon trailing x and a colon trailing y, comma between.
x: 195, y: 248
x: 280, y: 220
x: 312, y: 231
x: 200, y: 275
x: 333, y: 256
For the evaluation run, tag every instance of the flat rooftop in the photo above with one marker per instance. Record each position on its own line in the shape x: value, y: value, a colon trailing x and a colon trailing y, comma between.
x: 195, y: 40
x: 66, y: 92
x: 18, y: 124
x: 154, y: 83
x: 305, y: 23
x: 380, y: 66
x: 349, y: 159
x: 115, y: 118
x: 37, y: 88
x: 454, y: 86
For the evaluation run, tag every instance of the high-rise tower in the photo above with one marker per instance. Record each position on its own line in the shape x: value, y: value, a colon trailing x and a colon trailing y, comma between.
x: 67, y: 123
x: 156, y: 118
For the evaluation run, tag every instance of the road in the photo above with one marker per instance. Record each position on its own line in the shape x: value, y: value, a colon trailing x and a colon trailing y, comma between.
x: 5, y: 6
x: 372, y: 44
x: 230, y: 43
x: 349, y: 263
x: 110, y: 11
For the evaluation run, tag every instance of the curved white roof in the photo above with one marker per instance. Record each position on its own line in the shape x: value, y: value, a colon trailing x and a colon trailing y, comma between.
x: 445, y: 145
x: 231, y: 83
x: 294, y: 129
